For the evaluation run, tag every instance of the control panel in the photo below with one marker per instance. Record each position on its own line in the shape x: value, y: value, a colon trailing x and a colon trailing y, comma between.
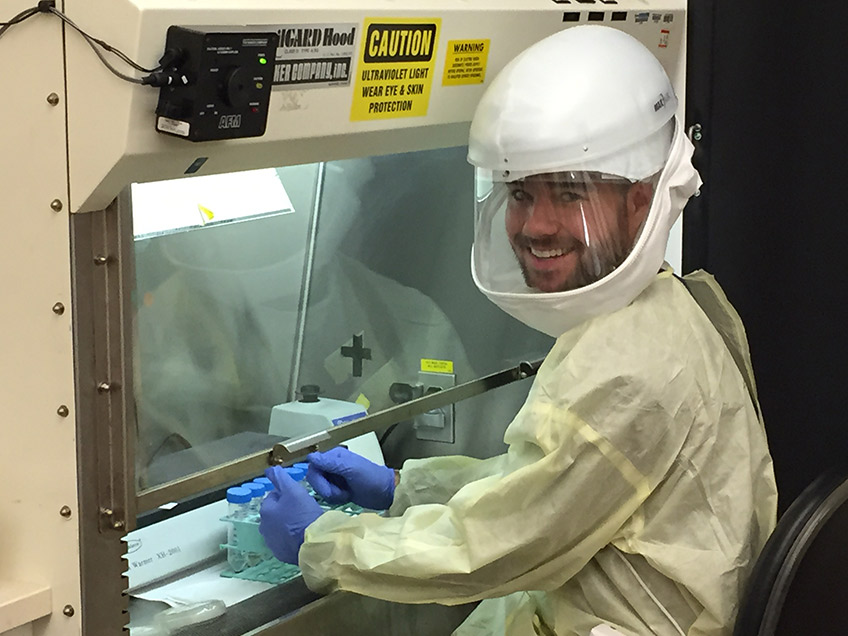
x: 219, y: 85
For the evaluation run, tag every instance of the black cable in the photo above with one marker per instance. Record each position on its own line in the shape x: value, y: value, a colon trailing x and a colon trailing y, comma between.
x: 114, y: 71
x: 386, y: 434
x: 23, y: 15
x: 106, y: 47
x: 49, y: 6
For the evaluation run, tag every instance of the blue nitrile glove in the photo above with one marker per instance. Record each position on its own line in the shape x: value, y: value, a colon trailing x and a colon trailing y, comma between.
x: 340, y: 476
x: 284, y: 515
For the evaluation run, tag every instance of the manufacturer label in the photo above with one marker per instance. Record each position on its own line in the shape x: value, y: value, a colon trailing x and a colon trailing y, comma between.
x: 314, y: 55
x: 229, y: 121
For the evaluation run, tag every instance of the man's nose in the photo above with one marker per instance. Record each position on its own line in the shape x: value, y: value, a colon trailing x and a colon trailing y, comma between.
x: 543, y: 219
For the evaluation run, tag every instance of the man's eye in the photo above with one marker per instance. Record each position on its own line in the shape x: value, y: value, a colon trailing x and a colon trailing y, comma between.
x: 518, y: 194
x: 569, y: 196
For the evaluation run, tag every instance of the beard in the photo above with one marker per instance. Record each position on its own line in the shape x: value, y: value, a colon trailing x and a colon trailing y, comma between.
x: 597, y: 262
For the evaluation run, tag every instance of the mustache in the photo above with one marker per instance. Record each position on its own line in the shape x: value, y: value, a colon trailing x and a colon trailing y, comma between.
x: 564, y: 243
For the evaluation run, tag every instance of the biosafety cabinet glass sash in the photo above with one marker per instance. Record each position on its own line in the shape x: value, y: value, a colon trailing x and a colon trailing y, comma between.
x: 349, y: 276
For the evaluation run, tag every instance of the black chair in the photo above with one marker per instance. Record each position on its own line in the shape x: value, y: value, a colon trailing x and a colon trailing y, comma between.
x: 799, y: 585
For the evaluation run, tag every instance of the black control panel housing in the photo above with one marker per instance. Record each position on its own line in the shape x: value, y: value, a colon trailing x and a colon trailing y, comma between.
x: 220, y: 84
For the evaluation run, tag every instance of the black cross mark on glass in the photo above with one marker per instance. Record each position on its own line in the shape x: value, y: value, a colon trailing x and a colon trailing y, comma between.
x: 357, y: 353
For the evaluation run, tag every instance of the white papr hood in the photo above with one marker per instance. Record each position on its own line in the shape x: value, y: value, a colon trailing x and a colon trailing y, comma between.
x: 554, y: 313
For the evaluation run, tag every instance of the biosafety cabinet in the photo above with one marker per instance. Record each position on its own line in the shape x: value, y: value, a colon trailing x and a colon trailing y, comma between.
x: 230, y: 232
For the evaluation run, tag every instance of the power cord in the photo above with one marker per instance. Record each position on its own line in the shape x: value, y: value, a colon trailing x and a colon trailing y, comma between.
x: 23, y: 15
x: 156, y: 76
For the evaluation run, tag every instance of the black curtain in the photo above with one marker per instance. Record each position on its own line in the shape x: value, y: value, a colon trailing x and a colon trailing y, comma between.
x: 767, y: 84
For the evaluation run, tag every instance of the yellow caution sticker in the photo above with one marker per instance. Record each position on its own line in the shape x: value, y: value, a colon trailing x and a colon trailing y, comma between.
x: 437, y: 366
x: 395, y: 70
x: 465, y: 62
x: 363, y: 401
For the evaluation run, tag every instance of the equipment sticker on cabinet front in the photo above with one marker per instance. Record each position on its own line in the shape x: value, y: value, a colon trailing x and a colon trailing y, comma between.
x: 466, y: 62
x: 314, y: 55
x: 396, y: 66
x: 436, y: 366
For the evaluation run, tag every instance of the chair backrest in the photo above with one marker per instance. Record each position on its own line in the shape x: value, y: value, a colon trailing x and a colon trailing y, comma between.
x: 798, y: 585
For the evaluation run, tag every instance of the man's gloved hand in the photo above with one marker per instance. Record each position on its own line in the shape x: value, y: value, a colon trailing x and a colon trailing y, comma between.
x: 284, y: 515
x: 340, y: 476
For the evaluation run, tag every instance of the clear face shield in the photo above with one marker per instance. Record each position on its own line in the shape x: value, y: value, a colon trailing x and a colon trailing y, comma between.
x: 555, y: 231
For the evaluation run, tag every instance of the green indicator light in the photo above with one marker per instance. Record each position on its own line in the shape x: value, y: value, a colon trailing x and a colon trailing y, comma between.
x: 262, y: 60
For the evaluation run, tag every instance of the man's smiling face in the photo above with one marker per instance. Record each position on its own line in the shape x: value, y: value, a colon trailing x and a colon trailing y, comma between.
x: 568, y: 230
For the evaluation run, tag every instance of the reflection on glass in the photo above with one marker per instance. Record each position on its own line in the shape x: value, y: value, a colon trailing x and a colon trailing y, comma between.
x: 237, y: 308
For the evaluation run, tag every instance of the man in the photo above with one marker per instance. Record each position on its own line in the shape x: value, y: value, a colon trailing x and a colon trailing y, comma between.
x: 637, y: 489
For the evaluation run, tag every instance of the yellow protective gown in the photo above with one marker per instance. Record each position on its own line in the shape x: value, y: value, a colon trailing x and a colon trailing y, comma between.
x: 637, y: 491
